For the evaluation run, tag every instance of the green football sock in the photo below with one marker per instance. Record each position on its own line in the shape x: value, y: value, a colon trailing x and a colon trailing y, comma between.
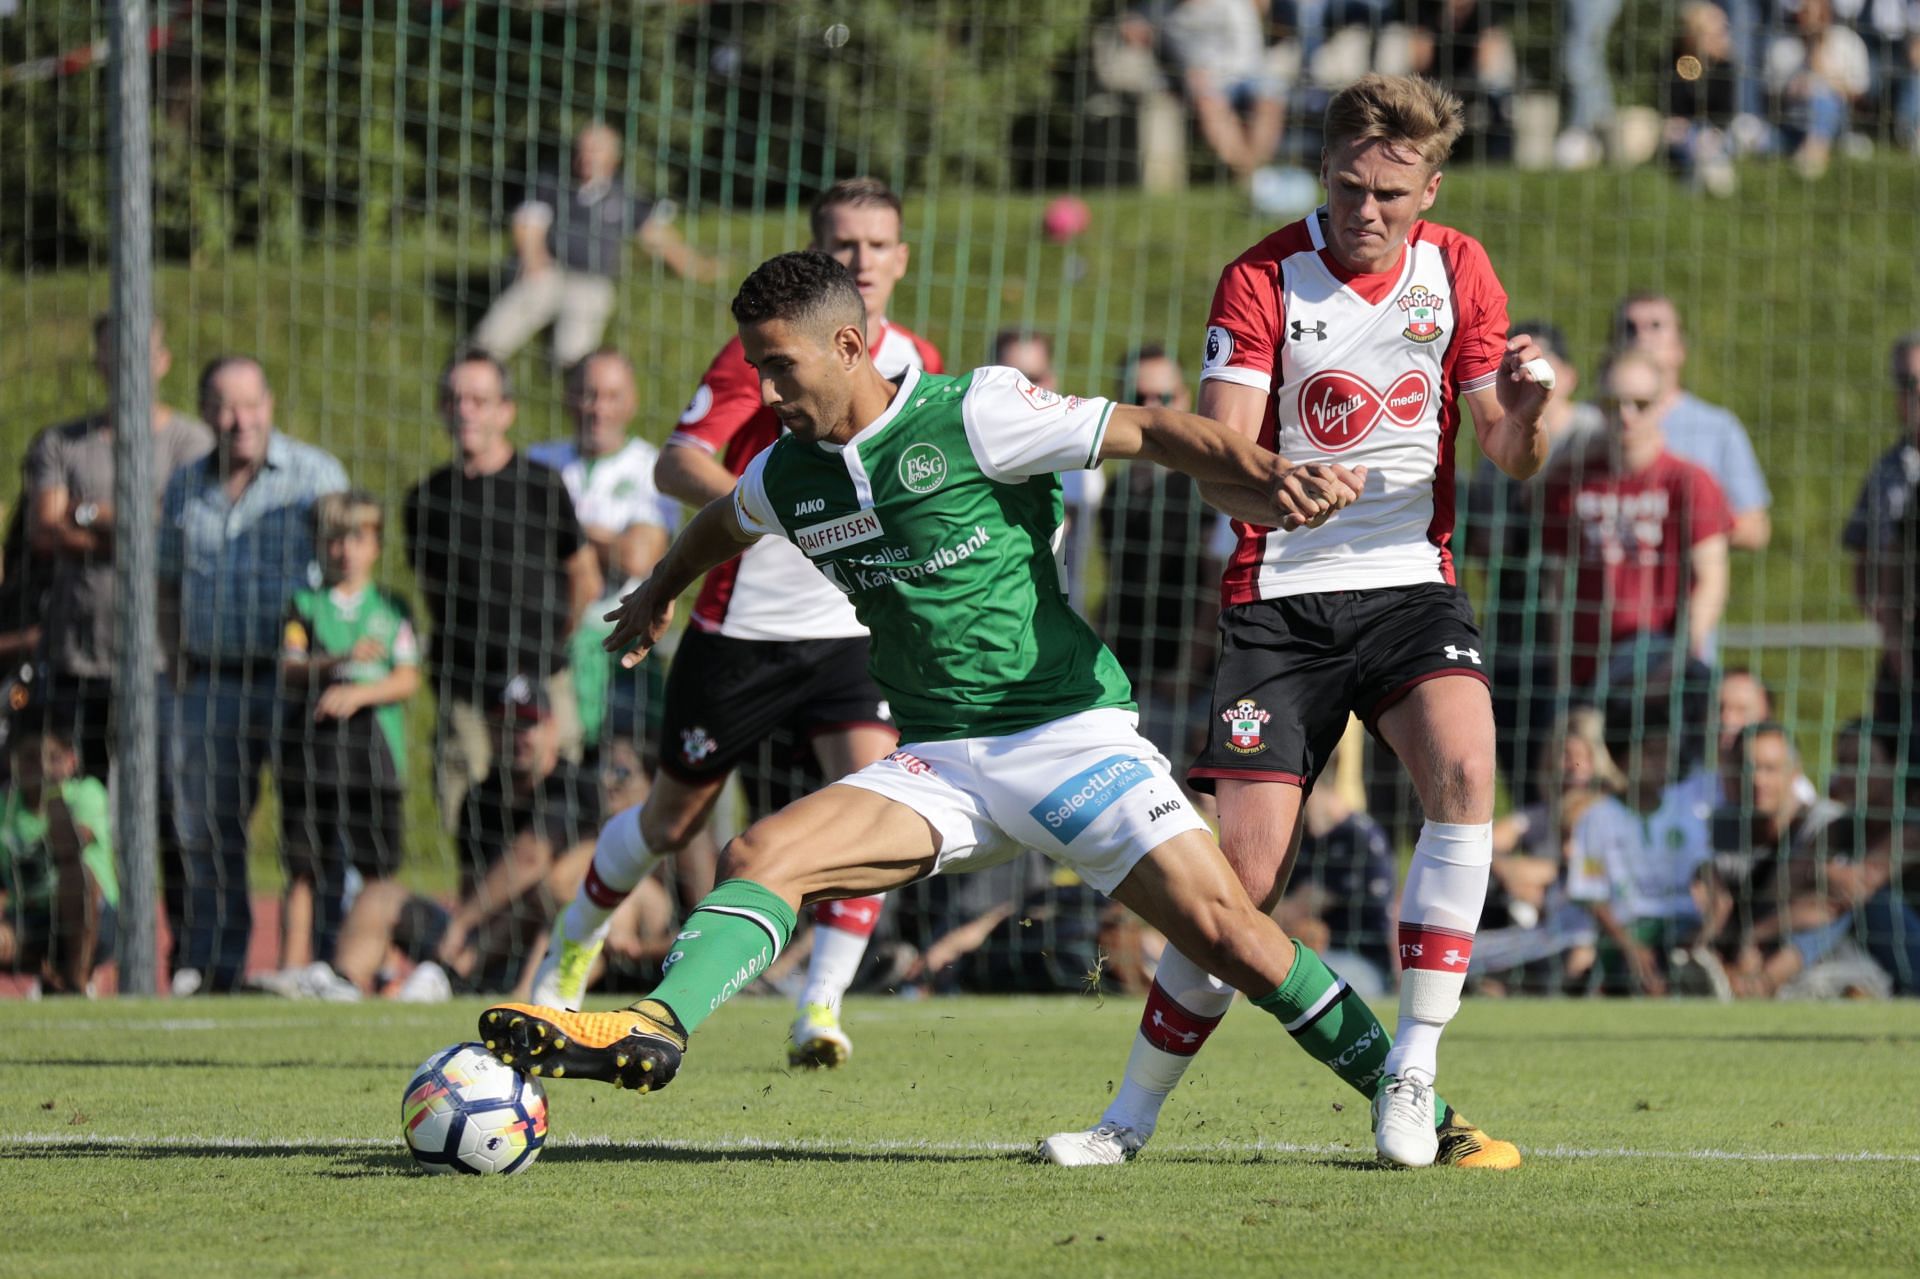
x: 729, y: 939
x: 1328, y: 1018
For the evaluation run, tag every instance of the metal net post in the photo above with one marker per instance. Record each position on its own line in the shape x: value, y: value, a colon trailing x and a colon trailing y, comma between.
x: 132, y: 409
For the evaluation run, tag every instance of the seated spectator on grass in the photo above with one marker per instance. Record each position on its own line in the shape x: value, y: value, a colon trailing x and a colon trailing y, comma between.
x: 568, y: 241
x: 1632, y: 860
x: 1529, y: 858
x: 57, y: 874
x: 1647, y: 536
x: 1465, y: 45
x: 1505, y: 517
x: 1700, y: 96
x: 1883, y: 535
x: 1340, y: 898
x: 1882, y: 839
x: 350, y: 663
x: 1816, y: 71
x: 235, y: 543
x: 526, y: 838
x: 1789, y: 893
x: 1237, y: 84
x: 1707, y: 435
x: 627, y: 523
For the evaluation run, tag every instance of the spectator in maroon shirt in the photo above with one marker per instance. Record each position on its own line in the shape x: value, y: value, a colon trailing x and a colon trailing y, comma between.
x: 1646, y: 537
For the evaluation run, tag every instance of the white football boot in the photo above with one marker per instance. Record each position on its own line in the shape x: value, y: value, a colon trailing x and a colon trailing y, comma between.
x: 1403, y: 1130
x: 1102, y: 1144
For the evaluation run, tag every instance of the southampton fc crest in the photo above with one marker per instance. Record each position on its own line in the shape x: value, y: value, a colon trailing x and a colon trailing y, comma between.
x: 1243, y: 727
x: 1423, y: 313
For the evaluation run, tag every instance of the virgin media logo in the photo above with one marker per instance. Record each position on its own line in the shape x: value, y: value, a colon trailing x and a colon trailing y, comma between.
x: 1338, y: 410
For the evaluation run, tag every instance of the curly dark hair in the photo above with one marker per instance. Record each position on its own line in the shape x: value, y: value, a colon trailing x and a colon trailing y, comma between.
x: 808, y: 285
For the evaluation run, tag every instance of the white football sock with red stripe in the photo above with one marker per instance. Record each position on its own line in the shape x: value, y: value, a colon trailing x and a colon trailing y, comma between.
x: 840, y: 934
x: 1183, y: 1007
x: 621, y: 859
x: 1439, y: 913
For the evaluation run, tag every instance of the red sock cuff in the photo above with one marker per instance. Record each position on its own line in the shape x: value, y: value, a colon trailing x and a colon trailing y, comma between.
x: 856, y: 915
x: 1442, y: 950
x: 597, y: 891
x: 1171, y: 1028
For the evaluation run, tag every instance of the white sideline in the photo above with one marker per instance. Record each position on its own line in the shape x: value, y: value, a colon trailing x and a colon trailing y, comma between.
x: 903, y: 1146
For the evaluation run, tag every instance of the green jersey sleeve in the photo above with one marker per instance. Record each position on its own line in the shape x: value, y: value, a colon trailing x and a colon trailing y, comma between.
x: 1018, y: 430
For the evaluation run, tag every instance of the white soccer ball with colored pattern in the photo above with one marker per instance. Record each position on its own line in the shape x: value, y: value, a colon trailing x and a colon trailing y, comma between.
x: 467, y: 1111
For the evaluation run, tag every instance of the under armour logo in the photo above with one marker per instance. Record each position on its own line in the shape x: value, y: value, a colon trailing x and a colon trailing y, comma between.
x: 1453, y: 958
x: 1455, y: 654
x: 1184, y: 1036
x: 1317, y: 330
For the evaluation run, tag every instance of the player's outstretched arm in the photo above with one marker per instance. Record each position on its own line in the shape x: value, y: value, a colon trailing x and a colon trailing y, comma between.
x: 1506, y: 415
x: 713, y: 537
x: 1235, y: 474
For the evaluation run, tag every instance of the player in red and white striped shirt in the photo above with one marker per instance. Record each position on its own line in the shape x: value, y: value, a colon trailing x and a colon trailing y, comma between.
x: 1353, y: 336
x: 771, y: 644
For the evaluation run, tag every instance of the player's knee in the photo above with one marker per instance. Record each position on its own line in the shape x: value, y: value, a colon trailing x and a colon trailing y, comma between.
x: 1466, y: 788
x: 1227, y: 939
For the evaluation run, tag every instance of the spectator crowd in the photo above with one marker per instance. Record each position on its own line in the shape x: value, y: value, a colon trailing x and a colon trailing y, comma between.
x: 1802, y: 79
x: 1663, y: 832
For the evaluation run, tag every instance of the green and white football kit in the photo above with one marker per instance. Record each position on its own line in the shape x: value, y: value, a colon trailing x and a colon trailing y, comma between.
x: 940, y: 521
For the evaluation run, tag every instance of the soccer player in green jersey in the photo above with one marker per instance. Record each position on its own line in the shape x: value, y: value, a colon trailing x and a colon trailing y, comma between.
x: 934, y: 504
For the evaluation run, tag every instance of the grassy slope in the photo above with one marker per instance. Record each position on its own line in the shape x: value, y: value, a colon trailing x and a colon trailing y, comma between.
x: 1792, y: 293
x: 973, y: 1079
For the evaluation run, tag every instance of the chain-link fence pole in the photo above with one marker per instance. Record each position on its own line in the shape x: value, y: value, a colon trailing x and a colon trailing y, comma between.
x: 133, y: 504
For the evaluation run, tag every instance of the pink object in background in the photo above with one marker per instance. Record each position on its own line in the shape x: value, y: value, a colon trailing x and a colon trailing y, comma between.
x: 1066, y: 217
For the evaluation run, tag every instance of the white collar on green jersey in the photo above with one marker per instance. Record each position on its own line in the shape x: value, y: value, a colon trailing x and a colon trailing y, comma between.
x: 908, y: 381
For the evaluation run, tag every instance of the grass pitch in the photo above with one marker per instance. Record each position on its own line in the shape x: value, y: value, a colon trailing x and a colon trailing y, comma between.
x: 252, y: 1137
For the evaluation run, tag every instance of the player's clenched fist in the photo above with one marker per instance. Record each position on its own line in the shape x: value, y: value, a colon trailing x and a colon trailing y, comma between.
x: 1309, y: 493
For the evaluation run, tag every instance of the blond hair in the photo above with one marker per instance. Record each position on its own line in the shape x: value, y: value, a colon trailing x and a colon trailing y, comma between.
x: 1400, y: 111
x: 338, y: 514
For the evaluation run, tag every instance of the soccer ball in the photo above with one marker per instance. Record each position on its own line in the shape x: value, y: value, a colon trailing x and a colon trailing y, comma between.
x: 467, y: 1111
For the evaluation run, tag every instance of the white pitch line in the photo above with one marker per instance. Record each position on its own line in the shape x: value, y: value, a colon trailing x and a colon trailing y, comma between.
x: 824, y: 1145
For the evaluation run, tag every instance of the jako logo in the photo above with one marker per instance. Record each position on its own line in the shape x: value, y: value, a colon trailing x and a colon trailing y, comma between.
x: 812, y: 506
x: 1075, y: 803
x: 1161, y: 810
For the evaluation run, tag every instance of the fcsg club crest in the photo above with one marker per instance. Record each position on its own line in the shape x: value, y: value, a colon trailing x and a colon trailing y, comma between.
x: 1244, y: 719
x: 1422, y: 308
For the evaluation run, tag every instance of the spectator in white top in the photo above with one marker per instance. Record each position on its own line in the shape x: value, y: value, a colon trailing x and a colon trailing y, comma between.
x: 1705, y: 434
x: 1633, y: 860
x: 1238, y: 87
x: 568, y: 240
x: 627, y: 523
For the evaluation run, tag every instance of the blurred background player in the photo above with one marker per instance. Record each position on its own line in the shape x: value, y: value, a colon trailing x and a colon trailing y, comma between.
x: 770, y: 644
x: 1354, y: 333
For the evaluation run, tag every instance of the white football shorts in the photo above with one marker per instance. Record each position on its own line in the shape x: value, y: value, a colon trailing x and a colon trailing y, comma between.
x: 1086, y: 790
